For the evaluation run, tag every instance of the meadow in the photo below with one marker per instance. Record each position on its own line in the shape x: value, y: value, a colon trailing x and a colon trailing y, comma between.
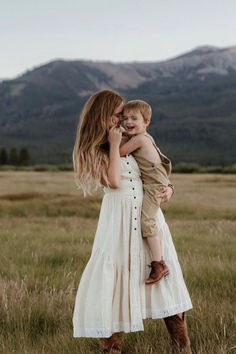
x: 46, y: 234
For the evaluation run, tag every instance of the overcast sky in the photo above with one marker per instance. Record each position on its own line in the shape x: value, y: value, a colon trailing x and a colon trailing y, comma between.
x: 34, y: 32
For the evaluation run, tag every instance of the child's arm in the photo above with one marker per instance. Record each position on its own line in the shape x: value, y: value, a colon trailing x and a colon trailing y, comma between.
x: 133, y: 144
x: 124, y: 140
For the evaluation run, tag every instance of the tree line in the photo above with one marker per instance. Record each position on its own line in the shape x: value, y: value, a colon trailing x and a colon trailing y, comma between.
x: 15, y: 157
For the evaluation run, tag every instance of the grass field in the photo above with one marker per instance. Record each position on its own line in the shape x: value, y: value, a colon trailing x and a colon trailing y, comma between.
x: 46, y: 234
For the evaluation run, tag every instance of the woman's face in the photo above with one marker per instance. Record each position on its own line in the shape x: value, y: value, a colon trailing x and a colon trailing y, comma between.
x: 117, y: 116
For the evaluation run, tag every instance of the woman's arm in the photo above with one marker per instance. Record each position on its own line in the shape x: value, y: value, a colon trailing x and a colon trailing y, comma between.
x: 114, y: 169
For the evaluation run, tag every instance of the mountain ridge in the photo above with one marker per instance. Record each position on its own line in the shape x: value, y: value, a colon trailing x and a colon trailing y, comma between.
x: 41, y: 107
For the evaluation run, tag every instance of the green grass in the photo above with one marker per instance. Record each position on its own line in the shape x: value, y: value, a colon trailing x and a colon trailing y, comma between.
x: 46, y: 235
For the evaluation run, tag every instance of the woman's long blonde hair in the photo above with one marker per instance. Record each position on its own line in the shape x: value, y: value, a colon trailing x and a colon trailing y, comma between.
x: 91, y: 149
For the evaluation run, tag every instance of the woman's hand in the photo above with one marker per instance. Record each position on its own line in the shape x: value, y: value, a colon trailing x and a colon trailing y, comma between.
x: 115, y: 135
x: 122, y: 129
x: 165, y: 194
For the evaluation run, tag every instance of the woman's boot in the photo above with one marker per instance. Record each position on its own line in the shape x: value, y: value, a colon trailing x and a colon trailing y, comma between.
x: 177, y: 329
x: 112, y: 344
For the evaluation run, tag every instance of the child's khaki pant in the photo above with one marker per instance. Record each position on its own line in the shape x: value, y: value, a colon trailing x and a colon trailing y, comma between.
x: 149, y: 211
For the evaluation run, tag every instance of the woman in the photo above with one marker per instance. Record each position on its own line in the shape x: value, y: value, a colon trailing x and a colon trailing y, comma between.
x: 112, y: 296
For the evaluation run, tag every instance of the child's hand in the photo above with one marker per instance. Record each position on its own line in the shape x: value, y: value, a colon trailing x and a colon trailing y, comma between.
x: 165, y: 194
x: 115, y: 135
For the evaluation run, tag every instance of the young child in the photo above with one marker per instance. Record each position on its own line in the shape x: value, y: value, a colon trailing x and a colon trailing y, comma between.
x: 155, y: 170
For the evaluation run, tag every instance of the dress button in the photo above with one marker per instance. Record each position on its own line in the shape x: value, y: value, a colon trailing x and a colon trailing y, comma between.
x: 135, y: 218
x: 135, y: 207
x: 127, y: 163
x: 129, y: 172
x: 133, y: 189
x: 134, y: 197
x: 135, y: 228
x: 130, y: 180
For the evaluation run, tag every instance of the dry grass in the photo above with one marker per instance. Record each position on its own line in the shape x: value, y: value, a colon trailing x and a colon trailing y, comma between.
x: 46, y: 234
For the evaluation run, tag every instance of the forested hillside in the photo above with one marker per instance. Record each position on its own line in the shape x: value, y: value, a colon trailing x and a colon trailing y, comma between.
x: 193, y: 98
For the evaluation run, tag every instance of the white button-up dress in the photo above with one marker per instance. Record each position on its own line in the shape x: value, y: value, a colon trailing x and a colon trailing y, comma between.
x: 112, y: 295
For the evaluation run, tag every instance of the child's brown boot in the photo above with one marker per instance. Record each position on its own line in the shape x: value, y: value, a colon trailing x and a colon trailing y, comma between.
x: 158, y: 271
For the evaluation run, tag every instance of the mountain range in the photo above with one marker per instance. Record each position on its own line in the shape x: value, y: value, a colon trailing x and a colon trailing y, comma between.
x: 193, y: 98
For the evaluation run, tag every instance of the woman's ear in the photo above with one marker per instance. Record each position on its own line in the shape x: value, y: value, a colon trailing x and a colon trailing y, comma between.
x: 111, y: 122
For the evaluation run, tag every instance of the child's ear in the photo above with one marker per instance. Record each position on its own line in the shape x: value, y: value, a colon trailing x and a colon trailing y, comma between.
x: 147, y: 123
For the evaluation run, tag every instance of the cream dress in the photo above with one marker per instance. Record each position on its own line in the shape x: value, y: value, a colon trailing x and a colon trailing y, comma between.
x: 112, y: 295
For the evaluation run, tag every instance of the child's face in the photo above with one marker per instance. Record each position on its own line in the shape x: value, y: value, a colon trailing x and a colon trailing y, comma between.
x: 133, y: 122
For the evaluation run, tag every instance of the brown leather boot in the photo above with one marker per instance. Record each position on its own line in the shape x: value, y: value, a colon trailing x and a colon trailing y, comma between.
x: 177, y: 329
x: 158, y: 271
x: 112, y: 344
x: 116, y: 343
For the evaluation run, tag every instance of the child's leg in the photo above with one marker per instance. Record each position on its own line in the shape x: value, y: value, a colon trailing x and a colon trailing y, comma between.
x: 149, y: 226
x: 150, y: 231
x: 154, y: 245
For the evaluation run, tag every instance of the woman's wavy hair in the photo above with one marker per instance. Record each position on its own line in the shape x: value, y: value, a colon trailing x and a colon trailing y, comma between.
x: 91, y: 149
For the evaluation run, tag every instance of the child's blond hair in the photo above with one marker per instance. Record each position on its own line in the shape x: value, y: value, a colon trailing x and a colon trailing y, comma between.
x: 139, y: 105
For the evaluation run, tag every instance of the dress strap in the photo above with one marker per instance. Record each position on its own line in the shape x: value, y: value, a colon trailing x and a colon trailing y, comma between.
x: 153, y: 141
x: 162, y: 156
